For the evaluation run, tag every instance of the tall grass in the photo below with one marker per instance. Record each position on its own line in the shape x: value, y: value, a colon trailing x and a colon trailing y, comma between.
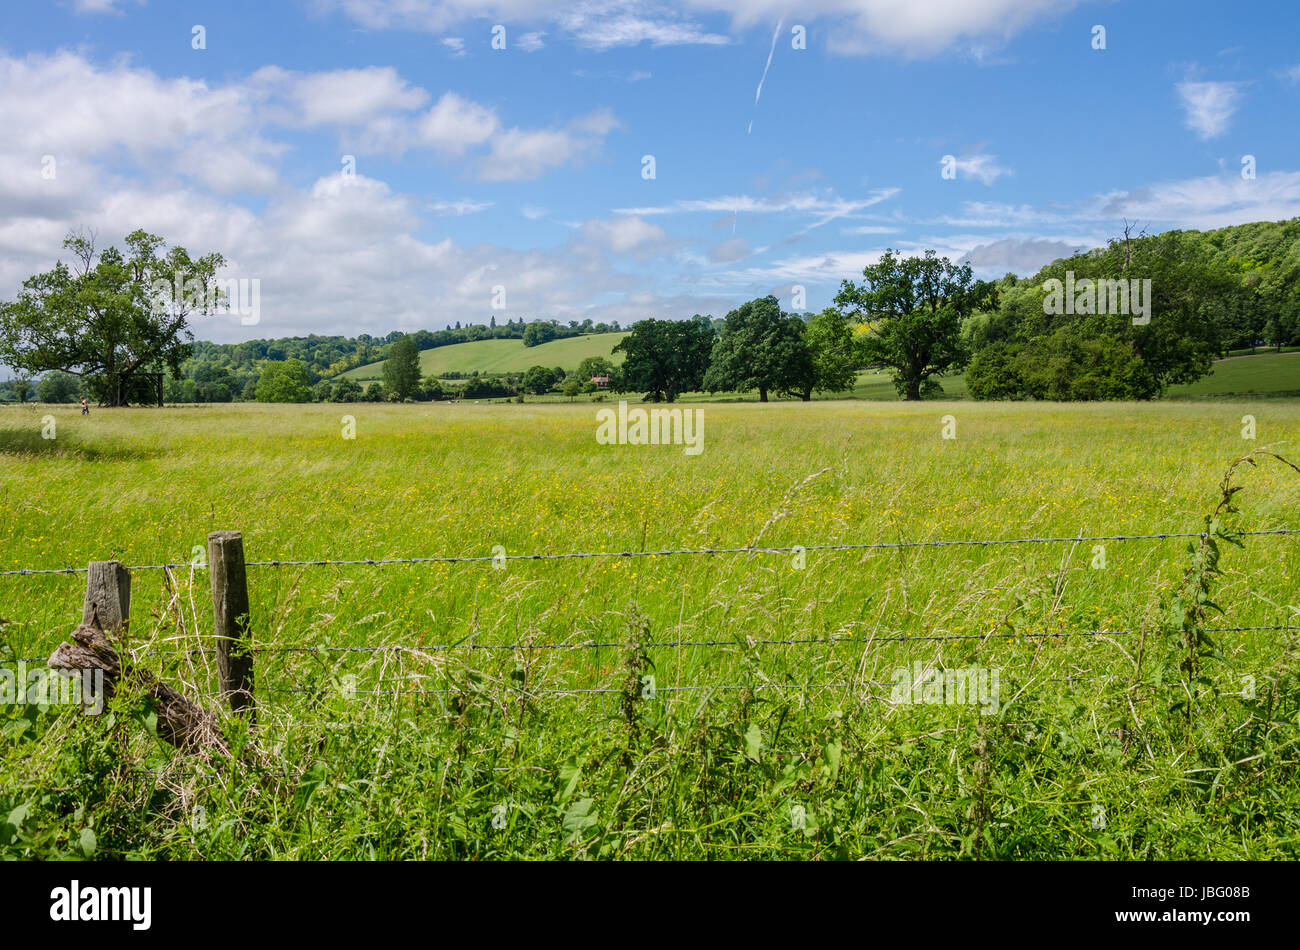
x: 738, y: 748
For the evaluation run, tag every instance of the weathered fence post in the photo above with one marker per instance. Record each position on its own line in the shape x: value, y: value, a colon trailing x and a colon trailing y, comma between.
x: 230, y: 616
x: 108, y: 595
x: 106, y: 612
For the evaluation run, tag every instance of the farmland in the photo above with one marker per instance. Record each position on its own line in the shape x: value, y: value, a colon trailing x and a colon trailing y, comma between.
x: 1259, y: 374
x: 769, y: 728
x: 504, y: 356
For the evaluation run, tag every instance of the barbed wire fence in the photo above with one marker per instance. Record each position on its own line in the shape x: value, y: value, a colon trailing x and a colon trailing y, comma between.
x: 469, y: 645
x: 672, y: 552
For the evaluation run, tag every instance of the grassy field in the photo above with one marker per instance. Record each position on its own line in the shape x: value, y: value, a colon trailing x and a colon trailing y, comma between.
x: 1276, y: 374
x: 504, y: 356
x: 434, y: 746
x: 1260, y: 373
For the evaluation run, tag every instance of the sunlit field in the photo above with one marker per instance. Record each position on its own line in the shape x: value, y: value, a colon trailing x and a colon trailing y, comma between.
x: 724, y: 705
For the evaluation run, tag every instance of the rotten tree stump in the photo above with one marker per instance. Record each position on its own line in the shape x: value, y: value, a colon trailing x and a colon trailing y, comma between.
x: 181, y: 722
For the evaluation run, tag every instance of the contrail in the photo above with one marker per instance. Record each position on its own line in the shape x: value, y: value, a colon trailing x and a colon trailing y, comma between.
x: 763, y: 78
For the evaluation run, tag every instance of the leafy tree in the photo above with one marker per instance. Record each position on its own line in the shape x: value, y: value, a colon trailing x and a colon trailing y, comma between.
x: 666, y: 358
x: 322, y: 391
x: 214, y: 383
x: 21, y: 387
x: 914, y: 308
x: 181, y: 390
x: 285, y: 381
x: 1190, y: 291
x: 480, y: 387
x: 572, y: 388
x: 539, y: 380
x: 1068, y: 365
x: 762, y: 348
x: 594, y: 366
x: 57, y: 387
x: 374, y: 393
x: 346, y: 389
x: 540, y: 332
x: 836, y: 352
x: 402, y: 369
x: 110, y: 316
x: 431, y: 389
x: 1193, y: 299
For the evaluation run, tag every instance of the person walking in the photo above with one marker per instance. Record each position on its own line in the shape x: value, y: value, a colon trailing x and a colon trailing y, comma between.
x: 85, y: 407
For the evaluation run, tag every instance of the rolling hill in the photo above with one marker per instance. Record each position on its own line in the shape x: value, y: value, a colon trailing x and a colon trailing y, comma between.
x: 503, y: 356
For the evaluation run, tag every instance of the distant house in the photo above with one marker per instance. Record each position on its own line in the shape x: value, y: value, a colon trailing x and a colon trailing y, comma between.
x: 600, y: 381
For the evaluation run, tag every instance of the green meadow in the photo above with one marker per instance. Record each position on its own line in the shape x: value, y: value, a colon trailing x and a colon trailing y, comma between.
x: 1259, y: 374
x: 703, y: 705
x: 504, y: 356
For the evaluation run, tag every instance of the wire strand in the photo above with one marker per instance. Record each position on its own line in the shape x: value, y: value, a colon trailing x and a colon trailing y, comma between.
x: 866, y: 546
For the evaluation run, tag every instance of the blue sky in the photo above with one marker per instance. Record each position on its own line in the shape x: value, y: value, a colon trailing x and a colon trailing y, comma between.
x: 522, y: 168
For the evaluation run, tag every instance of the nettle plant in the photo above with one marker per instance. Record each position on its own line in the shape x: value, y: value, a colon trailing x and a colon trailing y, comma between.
x: 1187, y: 645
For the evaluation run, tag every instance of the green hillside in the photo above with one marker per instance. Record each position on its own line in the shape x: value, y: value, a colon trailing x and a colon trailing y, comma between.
x: 1271, y: 373
x: 1264, y: 373
x: 504, y: 356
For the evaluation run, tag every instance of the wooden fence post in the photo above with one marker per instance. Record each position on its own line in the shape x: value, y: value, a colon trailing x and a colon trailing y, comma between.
x: 230, y: 616
x: 105, y: 619
x: 108, y: 595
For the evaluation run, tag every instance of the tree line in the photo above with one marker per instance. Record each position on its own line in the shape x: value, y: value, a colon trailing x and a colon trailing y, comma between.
x: 108, y: 324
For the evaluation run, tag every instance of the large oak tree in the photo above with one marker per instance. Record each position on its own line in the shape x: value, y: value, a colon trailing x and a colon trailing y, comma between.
x: 111, y: 316
x: 666, y: 357
x: 762, y: 348
x: 914, y: 308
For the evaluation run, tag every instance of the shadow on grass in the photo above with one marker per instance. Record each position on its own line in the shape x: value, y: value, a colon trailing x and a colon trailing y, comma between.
x: 29, y: 441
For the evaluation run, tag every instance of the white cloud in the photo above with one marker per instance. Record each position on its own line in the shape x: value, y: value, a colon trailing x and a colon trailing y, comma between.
x: 343, y: 256
x: 993, y: 214
x: 827, y: 206
x: 627, y: 28
x: 455, y: 124
x: 622, y: 235
x: 852, y: 26
x: 63, y: 106
x: 1020, y: 255
x: 219, y: 136
x: 984, y: 167
x: 1209, y: 106
x: 99, y: 6
x: 928, y: 29
x: 1040, y: 235
x: 531, y: 42
x: 458, y: 208
x: 134, y: 150
x: 1211, y: 202
x: 459, y: 128
x: 341, y: 96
